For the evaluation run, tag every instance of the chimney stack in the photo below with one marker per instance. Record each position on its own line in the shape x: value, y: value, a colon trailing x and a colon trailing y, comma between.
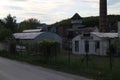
x: 103, y: 16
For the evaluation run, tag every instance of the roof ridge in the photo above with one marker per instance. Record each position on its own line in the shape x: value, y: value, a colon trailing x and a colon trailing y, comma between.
x: 76, y: 16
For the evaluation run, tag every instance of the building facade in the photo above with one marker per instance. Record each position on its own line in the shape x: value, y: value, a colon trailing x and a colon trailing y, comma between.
x: 96, y: 43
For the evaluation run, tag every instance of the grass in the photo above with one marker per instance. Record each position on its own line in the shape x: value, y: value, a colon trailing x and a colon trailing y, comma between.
x: 97, y: 68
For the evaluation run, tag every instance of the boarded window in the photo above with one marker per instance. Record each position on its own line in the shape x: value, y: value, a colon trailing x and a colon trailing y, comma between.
x: 76, y: 46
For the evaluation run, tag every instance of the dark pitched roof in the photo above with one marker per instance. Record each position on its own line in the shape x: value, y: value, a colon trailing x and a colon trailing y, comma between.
x: 76, y: 16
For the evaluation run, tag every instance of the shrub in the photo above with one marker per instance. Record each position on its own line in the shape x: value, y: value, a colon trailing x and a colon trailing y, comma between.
x: 49, y: 48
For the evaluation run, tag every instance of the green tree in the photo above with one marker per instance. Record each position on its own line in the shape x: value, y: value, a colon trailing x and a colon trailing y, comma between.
x: 29, y: 24
x: 1, y: 23
x: 49, y: 49
x: 5, y: 34
x: 91, y: 21
x: 10, y: 23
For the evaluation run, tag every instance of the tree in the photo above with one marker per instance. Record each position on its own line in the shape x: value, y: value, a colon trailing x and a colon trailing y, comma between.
x: 29, y: 24
x: 5, y: 34
x: 91, y: 21
x: 1, y: 23
x: 49, y: 49
x: 10, y: 23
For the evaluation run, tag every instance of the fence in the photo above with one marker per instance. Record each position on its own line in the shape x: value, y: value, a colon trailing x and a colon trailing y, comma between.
x: 93, y: 66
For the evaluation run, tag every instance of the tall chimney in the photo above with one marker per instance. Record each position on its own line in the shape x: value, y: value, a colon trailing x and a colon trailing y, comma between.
x: 103, y: 16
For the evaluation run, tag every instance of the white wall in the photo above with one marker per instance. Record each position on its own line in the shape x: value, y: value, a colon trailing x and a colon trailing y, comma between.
x: 82, y: 46
x: 119, y: 29
x: 92, y: 47
x: 103, y: 45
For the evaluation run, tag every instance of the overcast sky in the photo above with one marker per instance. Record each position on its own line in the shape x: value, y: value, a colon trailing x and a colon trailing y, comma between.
x: 51, y: 11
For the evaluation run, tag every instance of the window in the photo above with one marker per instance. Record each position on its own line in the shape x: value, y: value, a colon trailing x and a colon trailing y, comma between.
x: 70, y: 34
x: 97, y: 45
x: 76, y: 46
x: 86, y: 46
x: 86, y: 35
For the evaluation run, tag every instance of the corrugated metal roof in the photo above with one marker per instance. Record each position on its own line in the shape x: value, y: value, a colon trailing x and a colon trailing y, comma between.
x: 27, y: 35
x: 105, y: 35
x: 32, y: 30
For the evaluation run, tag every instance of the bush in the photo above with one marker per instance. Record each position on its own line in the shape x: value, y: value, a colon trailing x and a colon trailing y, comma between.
x: 49, y: 48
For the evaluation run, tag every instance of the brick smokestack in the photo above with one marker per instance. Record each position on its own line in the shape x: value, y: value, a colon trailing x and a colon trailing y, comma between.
x: 103, y: 17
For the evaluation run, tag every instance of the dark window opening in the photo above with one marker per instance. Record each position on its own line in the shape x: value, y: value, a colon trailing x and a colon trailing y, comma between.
x: 76, y: 46
x: 86, y: 46
x: 97, y: 45
x: 86, y: 35
x: 70, y: 34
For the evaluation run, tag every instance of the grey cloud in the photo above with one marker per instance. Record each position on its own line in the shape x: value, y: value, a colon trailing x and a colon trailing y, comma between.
x: 112, y: 2
x: 14, y: 7
x: 34, y: 13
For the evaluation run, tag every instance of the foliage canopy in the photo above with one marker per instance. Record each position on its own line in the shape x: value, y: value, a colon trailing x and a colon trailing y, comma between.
x: 29, y: 24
